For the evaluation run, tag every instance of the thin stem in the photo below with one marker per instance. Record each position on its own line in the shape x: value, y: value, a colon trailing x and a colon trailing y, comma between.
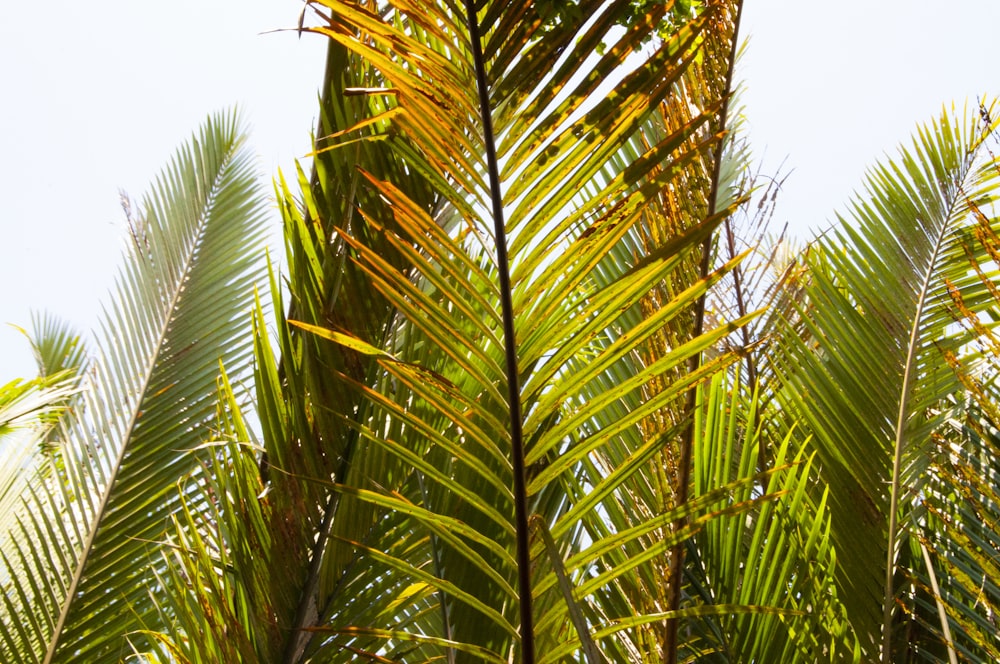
x: 942, y: 613
x: 510, y: 346
x: 676, y: 555
x: 889, y: 596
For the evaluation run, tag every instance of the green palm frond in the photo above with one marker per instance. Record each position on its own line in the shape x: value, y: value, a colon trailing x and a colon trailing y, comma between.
x: 879, y: 352
x: 499, y: 416
x: 57, y: 348
x: 779, y: 555
x: 26, y: 403
x: 77, y: 573
x: 496, y: 379
x: 403, y: 423
x: 56, y: 345
x: 202, y: 563
x: 413, y: 352
x: 31, y: 411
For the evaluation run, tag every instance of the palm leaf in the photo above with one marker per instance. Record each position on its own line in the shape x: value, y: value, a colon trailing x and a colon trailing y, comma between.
x: 78, y: 574
x: 304, y: 398
x: 31, y: 412
x: 27, y: 403
x: 878, y: 354
x: 389, y: 464
x: 55, y: 345
x: 780, y: 555
x: 961, y: 530
x: 458, y: 360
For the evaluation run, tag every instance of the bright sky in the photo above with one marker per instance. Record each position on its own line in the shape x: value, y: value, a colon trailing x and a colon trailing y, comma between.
x: 832, y: 87
x: 96, y: 96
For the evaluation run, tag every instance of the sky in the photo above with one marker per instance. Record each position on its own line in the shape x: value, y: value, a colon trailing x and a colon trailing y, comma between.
x: 95, y: 97
x: 833, y: 87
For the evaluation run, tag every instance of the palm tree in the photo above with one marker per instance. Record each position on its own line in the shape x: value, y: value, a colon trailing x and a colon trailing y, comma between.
x: 503, y: 414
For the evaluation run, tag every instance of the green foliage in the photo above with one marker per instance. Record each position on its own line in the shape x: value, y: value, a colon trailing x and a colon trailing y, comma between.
x: 501, y: 415
x: 80, y: 540
x: 875, y: 362
x: 778, y: 555
x: 386, y: 419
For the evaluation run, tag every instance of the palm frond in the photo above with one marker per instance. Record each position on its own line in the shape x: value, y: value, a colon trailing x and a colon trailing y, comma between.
x: 56, y: 345
x: 78, y: 574
x: 879, y: 352
x: 26, y: 403
x: 779, y: 555
x: 31, y: 412
x: 387, y: 418
x: 58, y: 349
x: 470, y: 377
x: 960, y: 531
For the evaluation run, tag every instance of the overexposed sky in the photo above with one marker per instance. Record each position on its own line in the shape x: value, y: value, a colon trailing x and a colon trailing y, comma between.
x: 95, y: 97
x: 832, y: 87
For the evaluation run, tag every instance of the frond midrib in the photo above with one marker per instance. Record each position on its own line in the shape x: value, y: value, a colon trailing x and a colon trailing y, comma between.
x: 144, y: 383
x: 901, y: 418
x: 951, y: 218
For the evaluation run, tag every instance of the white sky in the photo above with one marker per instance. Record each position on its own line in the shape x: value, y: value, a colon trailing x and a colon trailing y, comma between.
x: 832, y: 87
x: 95, y: 97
